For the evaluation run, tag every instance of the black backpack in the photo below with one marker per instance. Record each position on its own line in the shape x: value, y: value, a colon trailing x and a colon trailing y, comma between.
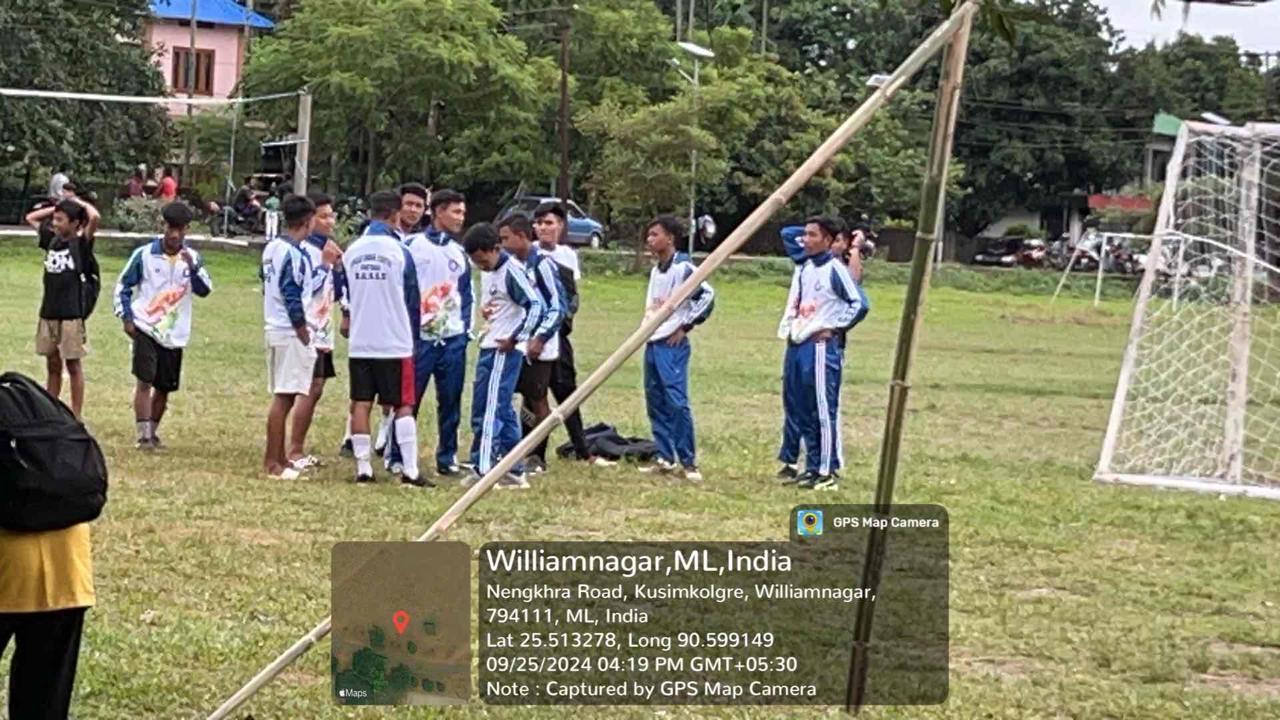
x: 52, y: 473
x: 604, y: 441
x: 90, y: 276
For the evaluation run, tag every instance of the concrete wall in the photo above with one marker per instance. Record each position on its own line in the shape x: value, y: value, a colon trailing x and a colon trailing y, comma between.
x: 225, y: 42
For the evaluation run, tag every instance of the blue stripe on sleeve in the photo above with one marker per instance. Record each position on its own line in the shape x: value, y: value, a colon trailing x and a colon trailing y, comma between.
x: 526, y: 297
x: 130, y: 277
x: 554, y: 311
x: 412, y: 296
x: 846, y: 289
x: 464, y: 291
x: 791, y: 244
x: 291, y: 291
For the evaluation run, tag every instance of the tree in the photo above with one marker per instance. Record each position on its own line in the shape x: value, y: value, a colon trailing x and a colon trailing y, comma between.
x: 79, y: 47
x: 411, y: 89
x: 1189, y: 76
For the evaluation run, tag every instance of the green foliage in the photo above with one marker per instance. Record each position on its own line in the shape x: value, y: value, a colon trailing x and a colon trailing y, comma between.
x: 412, y: 647
x: 140, y: 214
x: 84, y: 47
x: 422, y: 89
x: 377, y: 637
x: 1188, y: 76
x: 401, y: 679
x: 1020, y: 230
x: 371, y: 667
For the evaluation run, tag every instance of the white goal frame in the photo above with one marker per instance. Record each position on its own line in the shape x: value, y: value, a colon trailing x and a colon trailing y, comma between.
x: 1229, y: 475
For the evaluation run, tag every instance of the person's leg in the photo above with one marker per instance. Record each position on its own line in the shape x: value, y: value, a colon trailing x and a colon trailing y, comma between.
x: 451, y: 377
x: 274, y: 460
x: 423, y: 356
x: 532, y: 386
x: 303, y: 413
x: 43, y: 673
x: 508, y: 422
x: 828, y: 385
x: 675, y: 384
x: 75, y: 376
x: 789, y: 453
x: 53, y: 373
x: 167, y: 379
x: 564, y: 382
x: 484, y: 409
x: 142, y: 412
x: 361, y: 443
x: 806, y: 404
x: 655, y: 400
x: 159, y: 403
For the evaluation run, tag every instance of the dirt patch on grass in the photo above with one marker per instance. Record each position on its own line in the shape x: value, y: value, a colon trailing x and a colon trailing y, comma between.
x: 301, y: 678
x: 1239, y: 684
x: 1077, y: 317
x: 1045, y: 592
x: 1005, y: 668
x: 1220, y: 647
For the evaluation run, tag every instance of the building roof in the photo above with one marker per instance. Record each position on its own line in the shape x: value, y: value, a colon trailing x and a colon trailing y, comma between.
x: 1165, y: 124
x: 218, y: 12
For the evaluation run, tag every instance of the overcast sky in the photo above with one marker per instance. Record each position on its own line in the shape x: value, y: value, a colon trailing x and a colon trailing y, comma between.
x: 1254, y: 28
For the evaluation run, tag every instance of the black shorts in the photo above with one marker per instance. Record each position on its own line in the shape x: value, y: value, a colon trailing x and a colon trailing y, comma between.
x: 324, y: 366
x: 156, y: 365
x: 389, y: 381
x: 535, y: 379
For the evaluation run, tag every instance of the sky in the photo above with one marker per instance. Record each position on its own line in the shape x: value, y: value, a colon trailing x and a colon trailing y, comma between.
x: 1254, y: 28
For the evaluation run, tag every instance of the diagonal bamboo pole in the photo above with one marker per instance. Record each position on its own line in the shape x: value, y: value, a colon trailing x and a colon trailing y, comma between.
x: 929, y: 226
x: 820, y: 157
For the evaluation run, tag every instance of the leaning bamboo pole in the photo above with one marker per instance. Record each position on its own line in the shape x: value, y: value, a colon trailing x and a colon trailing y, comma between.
x: 929, y: 227
x: 820, y: 158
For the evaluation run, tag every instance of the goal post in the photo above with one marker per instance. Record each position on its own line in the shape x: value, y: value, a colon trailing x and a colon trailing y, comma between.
x: 1197, y: 403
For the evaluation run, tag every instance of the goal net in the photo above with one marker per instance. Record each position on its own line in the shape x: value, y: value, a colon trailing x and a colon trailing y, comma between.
x: 1197, y: 405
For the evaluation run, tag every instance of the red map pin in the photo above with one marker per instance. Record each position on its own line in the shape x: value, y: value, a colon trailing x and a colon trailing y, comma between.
x: 401, y: 621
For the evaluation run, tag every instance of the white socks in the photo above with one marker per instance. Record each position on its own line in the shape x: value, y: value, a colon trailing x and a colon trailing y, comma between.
x: 360, y: 446
x: 407, y: 439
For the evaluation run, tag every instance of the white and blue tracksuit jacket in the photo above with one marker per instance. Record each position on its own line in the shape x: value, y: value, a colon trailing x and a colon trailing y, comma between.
x: 545, y: 278
x: 512, y: 309
x: 286, y: 287
x: 823, y: 299
x: 666, y: 366
x: 154, y: 292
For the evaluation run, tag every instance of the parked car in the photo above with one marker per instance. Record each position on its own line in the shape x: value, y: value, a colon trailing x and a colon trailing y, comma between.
x: 1002, y: 252
x: 583, y: 229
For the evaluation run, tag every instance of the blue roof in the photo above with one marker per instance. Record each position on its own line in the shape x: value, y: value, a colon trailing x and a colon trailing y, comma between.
x: 218, y: 12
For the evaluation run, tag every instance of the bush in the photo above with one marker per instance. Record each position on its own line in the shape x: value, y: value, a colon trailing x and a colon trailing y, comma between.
x: 1021, y: 230
x: 140, y: 214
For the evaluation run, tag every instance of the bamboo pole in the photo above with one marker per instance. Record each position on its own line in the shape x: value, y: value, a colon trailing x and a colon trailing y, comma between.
x: 929, y: 226
x: 820, y: 157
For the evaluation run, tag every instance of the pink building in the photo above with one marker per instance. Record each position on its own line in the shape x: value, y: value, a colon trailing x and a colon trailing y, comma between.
x: 222, y: 32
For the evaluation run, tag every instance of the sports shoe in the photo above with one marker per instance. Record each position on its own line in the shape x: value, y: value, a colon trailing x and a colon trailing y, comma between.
x: 597, y: 461
x: 804, y: 480
x: 287, y: 474
x: 691, y: 473
x: 788, y: 472
x: 535, y: 466
x: 659, y: 467
x: 156, y: 443
x: 346, y: 450
x: 450, y: 471
x: 513, y: 481
x: 364, y: 479
x: 145, y: 444
x: 395, y: 468
x: 419, y: 481
x: 827, y: 482
x: 469, y: 479
x: 305, y: 462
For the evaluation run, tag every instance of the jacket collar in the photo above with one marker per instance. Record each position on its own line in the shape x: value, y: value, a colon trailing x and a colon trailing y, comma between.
x: 821, y: 258
x: 378, y: 227
x: 318, y: 240
x: 439, y: 237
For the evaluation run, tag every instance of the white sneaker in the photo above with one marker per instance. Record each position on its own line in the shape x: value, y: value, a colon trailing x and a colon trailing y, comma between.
x: 305, y: 463
x: 659, y: 467
x: 597, y: 461
x: 512, y: 481
x: 287, y: 474
x: 692, y: 474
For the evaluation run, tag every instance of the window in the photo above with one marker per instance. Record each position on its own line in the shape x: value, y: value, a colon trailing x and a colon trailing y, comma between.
x: 203, y: 71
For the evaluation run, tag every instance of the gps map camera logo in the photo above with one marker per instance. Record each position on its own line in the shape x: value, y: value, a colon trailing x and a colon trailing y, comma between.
x: 809, y: 523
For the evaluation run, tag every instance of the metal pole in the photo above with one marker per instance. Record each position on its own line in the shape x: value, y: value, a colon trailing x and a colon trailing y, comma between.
x: 928, y: 227
x: 693, y: 164
x: 302, y: 159
x: 758, y: 217
x: 1238, y: 346
x: 562, y: 187
x: 1102, y: 260
x: 191, y: 88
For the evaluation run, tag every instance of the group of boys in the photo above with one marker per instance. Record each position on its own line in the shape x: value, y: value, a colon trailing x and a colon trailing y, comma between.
x: 405, y: 292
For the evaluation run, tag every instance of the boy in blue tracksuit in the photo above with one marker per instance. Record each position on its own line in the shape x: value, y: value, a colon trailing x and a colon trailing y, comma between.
x: 666, y: 356
x: 444, y: 279
x: 823, y: 304
x: 512, y: 312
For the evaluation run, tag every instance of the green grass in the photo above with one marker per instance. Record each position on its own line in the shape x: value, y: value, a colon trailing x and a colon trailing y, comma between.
x: 1069, y: 599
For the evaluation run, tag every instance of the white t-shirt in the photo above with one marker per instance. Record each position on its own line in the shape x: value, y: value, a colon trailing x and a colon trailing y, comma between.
x: 565, y: 256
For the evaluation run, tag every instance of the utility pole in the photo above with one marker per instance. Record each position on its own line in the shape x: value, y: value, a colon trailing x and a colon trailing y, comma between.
x: 191, y: 91
x: 679, y: 18
x: 566, y: 27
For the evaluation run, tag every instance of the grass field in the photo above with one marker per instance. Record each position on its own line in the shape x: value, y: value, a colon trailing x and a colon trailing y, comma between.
x: 1069, y: 599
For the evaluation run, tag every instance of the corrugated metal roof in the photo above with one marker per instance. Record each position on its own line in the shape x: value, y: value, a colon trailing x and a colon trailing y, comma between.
x: 218, y: 12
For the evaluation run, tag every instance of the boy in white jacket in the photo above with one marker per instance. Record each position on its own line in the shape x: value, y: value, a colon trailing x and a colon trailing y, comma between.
x: 153, y: 300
